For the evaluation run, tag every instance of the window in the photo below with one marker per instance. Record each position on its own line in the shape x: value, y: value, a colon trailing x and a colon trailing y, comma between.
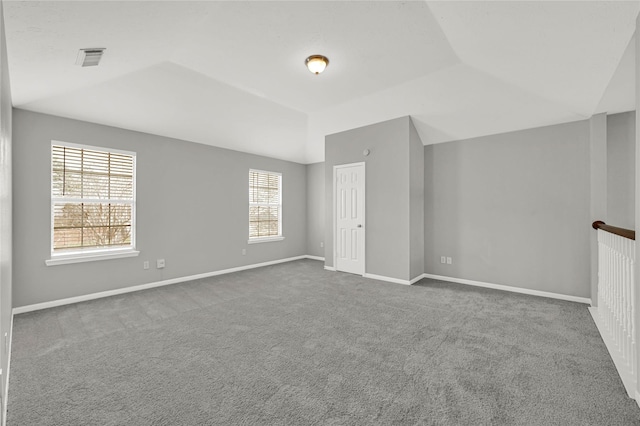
x: 92, y: 203
x: 265, y: 206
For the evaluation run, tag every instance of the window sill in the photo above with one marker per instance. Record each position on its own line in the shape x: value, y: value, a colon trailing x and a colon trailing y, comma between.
x: 264, y: 240
x: 65, y: 259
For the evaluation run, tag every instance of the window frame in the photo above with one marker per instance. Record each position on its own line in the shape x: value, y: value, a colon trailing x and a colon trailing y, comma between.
x: 92, y: 253
x: 271, y: 238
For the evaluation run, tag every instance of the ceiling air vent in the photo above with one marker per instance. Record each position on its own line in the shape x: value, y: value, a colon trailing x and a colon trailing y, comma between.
x: 89, y: 57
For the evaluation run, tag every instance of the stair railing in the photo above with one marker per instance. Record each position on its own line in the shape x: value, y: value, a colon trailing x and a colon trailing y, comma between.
x: 614, y: 314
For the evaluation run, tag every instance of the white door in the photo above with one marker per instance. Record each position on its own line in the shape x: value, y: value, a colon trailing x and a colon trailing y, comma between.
x: 349, y: 214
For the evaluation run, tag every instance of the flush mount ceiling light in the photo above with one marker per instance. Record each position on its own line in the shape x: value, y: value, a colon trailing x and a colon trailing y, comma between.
x: 316, y: 63
x: 89, y: 57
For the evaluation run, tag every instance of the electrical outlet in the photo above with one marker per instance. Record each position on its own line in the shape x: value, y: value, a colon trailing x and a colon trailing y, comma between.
x: 321, y: 244
x: 244, y: 252
x: 145, y: 265
x: 443, y: 259
x: 160, y: 263
x: 449, y: 261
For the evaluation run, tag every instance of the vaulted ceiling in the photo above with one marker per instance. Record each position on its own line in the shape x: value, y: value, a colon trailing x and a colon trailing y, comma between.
x: 231, y: 74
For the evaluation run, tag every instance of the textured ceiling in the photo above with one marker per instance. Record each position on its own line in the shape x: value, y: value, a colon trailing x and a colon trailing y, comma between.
x: 231, y: 74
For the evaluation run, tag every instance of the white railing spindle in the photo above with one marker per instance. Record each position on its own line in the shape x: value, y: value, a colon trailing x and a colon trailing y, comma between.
x: 614, y: 314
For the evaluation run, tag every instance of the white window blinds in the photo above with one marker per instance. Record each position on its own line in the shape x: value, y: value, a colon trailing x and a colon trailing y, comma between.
x: 92, y: 198
x: 265, y: 204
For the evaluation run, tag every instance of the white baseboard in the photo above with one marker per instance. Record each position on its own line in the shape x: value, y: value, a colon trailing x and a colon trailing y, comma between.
x: 416, y: 279
x: 388, y: 279
x: 511, y: 289
x: 315, y: 257
x: 637, y: 398
x: 92, y: 296
x: 627, y: 378
x: 383, y: 278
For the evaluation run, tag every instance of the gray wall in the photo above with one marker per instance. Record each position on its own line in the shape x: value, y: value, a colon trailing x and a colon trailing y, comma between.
x: 192, y: 209
x: 512, y: 209
x: 416, y: 208
x: 315, y: 209
x: 386, y: 193
x: 621, y: 152
x: 5, y: 207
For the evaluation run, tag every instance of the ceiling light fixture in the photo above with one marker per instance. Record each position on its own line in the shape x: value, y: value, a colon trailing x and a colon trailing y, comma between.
x: 316, y: 63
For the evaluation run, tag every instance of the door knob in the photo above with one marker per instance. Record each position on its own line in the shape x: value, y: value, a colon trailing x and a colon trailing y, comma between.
x: 359, y: 226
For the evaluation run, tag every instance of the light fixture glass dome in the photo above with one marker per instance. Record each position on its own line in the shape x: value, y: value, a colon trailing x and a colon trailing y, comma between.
x: 316, y: 63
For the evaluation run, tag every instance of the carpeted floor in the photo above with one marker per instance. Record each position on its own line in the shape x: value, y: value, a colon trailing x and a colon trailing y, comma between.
x: 292, y: 344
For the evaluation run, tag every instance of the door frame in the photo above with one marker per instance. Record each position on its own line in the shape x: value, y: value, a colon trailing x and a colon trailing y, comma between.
x: 364, y: 216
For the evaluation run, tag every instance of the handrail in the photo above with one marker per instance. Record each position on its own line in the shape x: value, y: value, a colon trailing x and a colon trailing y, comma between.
x: 626, y: 233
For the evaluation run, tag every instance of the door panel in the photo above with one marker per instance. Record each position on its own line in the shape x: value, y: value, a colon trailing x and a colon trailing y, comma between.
x: 350, y: 233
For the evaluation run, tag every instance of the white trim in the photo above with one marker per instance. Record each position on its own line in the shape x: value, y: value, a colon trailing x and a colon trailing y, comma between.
x: 6, y: 393
x: 511, y: 289
x: 259, y: 240
x: 334, y: 223
x: 628, y: 380
x: 108, y: 293
x: 383, y: 278
x: 388, y: 279
x: 134, y: 206
x: 315, y: 257
x: 76, y: 257
x: 637, y: 398
x: 416, y: 279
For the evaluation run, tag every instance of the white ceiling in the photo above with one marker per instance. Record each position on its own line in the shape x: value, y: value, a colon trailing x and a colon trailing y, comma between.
x: 231, y: 74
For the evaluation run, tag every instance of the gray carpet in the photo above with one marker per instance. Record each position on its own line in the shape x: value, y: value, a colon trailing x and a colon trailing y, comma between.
x: 292, y: 344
